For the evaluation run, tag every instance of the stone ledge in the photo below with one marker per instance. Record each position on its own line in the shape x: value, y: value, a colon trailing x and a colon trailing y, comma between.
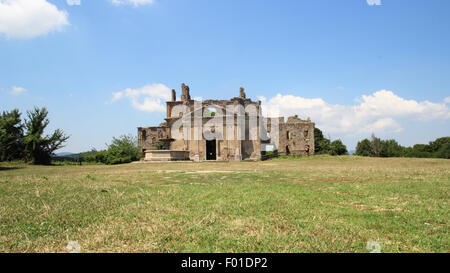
x: 166, y: 155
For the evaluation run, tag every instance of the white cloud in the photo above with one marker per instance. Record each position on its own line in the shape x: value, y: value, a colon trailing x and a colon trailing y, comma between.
x: 384, y: 124
x: 25, y: 19
x: 73, y: 2
x: 16, y: 90
x: 377, y: 113
x: 132, y: 2
x: 374, y: 2
x: 149, y: 98
x: 447, y: 100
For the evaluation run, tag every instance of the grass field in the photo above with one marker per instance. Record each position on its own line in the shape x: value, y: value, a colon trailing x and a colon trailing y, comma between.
x: 315, y: 204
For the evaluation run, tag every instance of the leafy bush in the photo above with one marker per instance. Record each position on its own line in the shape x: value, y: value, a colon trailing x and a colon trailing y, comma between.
x: 324, y: 145
x: 161, y: 146
x: 121, y: 150
x: 444, y: 151
x: 338, y: 148
x: 390, y: 148
x: 321, y: 144
x: 363, y: 148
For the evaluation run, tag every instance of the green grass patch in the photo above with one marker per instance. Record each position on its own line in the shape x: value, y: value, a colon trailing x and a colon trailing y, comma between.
x: 306, y: 204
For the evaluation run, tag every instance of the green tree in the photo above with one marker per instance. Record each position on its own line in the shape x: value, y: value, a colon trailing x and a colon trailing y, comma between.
x: 338, y: 148
x: 318, y: 136
x: 122, y: 150
x: 444, y: 151
x: 363, y: 148
x: 11, y: 136
x: 422, y: 148
x: 39, y: 148
x: 375, y: 144
x: 324, y: 146
x: 436, y: 145
x: 321, y: 144
x: 390, y: 148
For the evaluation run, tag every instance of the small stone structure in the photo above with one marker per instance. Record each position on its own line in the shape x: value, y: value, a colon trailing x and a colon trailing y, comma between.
x: 166, y: 155
x: 230, y: 141
x: 296, y: 137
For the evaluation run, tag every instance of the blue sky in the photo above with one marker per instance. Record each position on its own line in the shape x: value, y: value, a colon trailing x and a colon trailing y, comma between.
x: 354, y: 66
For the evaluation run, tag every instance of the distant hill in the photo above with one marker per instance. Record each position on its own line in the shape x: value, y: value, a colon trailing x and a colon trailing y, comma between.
x: 64, y: 154
x: 66, y: 157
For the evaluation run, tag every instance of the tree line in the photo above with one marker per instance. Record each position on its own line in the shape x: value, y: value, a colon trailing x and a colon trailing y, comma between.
x: 25, y: 139
x: 121, y: 150
x: 376, y: 147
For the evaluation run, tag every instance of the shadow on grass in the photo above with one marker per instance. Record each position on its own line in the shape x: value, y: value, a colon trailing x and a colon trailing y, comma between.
x: 6, y: 168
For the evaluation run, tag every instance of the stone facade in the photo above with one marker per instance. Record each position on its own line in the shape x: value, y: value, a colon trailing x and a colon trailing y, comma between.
x: 296, y: 137
x: 227, y: 138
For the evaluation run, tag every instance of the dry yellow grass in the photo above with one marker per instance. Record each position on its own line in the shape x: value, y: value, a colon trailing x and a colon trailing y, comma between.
x: 315, y: 204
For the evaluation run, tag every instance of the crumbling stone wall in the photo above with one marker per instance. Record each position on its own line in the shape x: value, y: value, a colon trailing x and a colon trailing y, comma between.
x: 296, y: 136
x: 148, y: 137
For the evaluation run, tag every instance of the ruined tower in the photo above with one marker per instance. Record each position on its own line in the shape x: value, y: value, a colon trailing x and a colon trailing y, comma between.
x: 242, y: 93
x: 185, y: 96
x: 174, y: 95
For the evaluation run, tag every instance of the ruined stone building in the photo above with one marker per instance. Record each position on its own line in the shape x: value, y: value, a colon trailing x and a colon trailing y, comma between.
x: 210, y: 130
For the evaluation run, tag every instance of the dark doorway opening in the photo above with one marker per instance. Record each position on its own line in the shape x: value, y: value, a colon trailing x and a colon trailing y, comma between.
x: 211, y: 150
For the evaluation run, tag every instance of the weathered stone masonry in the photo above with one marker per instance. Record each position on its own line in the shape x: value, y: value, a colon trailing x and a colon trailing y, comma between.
x: 295, y: 136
